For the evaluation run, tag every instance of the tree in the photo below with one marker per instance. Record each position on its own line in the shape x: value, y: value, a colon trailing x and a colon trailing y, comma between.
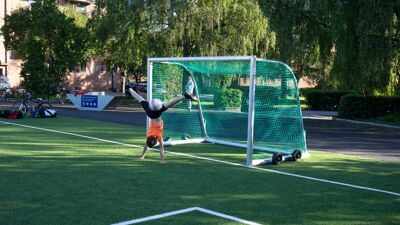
x: 122, y: 35
x: 351, y: 44
x: 303, y: 37
x: 47, y: 41
x: 131, y: 31
x: 211, y: 28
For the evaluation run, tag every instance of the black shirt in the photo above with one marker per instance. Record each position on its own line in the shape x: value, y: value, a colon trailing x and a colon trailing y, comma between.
x: 151, y: 113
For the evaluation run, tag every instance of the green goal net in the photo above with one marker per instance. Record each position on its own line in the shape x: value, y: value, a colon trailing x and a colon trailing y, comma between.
x: 243, y: 101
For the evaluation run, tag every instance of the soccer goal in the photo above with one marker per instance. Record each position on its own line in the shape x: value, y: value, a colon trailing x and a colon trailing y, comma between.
x: 244, y: 102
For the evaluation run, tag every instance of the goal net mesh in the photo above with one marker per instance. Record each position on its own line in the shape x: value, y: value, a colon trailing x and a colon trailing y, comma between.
x: 223, y: 108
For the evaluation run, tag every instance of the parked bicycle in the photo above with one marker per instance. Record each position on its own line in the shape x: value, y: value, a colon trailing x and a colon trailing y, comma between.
x: 25, y: 105
x: 41, y: 106
x: 62, y: 91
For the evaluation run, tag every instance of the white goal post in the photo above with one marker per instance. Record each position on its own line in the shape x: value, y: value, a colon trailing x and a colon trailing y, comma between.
x: 251, y: 68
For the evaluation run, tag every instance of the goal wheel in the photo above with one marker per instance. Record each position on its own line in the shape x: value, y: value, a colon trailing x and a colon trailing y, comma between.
x: 296, y: 155
x: 277, y: 158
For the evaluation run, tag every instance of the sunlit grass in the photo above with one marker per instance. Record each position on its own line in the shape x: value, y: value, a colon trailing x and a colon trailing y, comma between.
x: 391, y: 119
x: 50, y: 178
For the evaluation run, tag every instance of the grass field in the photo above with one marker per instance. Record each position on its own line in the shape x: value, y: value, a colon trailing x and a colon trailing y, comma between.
x: 61, y: 178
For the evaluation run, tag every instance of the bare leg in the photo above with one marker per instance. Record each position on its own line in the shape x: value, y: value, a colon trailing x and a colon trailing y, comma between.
x: 136, y: 95
x: 144, y: 152
x: 173, y: 102
x: 162, y: 153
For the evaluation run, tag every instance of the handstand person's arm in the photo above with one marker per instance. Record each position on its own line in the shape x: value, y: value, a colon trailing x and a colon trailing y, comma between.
x: 136, y: 95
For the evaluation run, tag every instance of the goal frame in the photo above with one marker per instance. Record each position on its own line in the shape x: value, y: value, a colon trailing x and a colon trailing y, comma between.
x: 250, y: 123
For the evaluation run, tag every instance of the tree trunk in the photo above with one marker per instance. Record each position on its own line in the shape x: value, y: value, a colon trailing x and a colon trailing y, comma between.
x: 187, y: 51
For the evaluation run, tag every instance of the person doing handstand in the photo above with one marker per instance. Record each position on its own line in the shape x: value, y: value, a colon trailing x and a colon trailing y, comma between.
x: 154, y: 109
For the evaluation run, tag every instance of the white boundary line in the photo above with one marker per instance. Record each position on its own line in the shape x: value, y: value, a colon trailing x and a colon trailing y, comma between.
x: 367, y: 123
x: 173, y: 213
x: 213, y: 160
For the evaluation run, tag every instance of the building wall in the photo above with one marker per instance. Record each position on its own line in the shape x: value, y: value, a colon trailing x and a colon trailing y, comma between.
x: 9, y: 67
x: 306, y: 82
x: 94, y: 77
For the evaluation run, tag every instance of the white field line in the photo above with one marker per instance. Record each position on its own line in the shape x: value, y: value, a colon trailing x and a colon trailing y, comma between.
x: 213, y: 160
x: 173, y: 213
x: 318, y: 117
x: 367, y: 123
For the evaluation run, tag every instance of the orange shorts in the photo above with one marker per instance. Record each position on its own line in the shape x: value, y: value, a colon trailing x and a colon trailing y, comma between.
x: 156, y: 130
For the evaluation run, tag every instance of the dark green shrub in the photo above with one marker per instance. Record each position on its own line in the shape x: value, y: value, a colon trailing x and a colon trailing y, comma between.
x: 366, y: 107
x: 302, y: 91
x: 228, y: 98
x: 324, y: 99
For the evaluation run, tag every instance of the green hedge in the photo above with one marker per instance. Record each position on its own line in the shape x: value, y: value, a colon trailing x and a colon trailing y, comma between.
x: 367, y: 107
x: 324, y: 99
x: 228, y: 98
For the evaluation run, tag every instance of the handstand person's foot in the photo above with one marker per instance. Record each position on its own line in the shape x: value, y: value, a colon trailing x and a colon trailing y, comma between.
x: 192, y: 97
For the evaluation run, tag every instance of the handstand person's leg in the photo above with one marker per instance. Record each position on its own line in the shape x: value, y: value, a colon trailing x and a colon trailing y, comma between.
x: 174, y: 101
x: 178, y: 99
x: 190, y: 96
x: 136, y: 95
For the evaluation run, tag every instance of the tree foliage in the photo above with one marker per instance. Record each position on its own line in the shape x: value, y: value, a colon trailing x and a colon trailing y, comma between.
x: 47, y: 41
x: 121, y: 29
x: 131, y: 31
x: 213, y: 27
x: 350, y: 44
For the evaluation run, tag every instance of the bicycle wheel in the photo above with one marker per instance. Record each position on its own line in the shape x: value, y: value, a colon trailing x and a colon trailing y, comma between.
x: 19, y: 107
x: 28, y: 105
x: 45, y: 105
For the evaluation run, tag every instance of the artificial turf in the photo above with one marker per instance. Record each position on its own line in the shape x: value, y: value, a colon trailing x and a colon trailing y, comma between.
x: 56, y: 178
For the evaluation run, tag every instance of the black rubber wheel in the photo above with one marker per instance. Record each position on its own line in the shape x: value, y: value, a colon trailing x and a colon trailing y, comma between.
x: 277, y: 158
x: 296, y: 155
